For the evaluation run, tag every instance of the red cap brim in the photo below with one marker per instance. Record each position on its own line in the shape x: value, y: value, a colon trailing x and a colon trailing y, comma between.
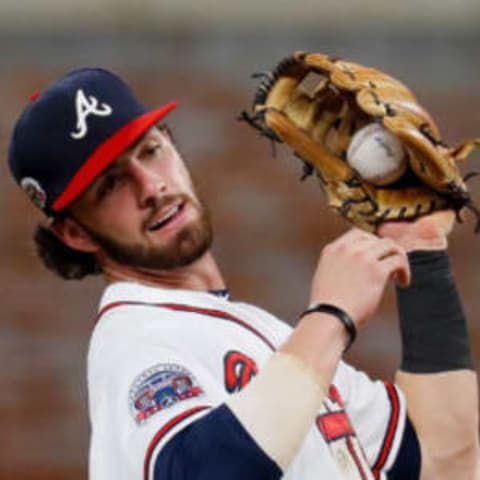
x: 107, y: 152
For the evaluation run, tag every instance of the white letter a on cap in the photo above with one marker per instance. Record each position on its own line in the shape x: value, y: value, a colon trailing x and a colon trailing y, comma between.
x: 85, y: 107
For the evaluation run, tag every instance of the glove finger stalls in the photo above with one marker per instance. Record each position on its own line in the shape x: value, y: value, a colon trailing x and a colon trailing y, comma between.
x: 404, y: 112
x: 386, y: 104
x: 349, y: 76
x: 279, y: 95
x: 462, y: 151
x: 436, y: 170
x: 331, y: 166
x: 315, y: 61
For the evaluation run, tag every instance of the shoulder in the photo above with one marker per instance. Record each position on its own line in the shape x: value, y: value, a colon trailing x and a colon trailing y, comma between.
x: 263, y: 320
x: 132, y: 310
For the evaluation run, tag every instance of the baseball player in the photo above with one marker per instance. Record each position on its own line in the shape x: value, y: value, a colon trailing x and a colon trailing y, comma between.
x: 185, y: 383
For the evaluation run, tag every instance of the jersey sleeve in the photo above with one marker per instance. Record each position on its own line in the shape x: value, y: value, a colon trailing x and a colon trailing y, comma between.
x: 141, y: 393
x: 215, y: 447
x: 377, y: 410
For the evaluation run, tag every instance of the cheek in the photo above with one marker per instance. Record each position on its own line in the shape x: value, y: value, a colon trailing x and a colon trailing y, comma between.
x: 177, y: 174
x: 115, y: 216
x: 181, y: 180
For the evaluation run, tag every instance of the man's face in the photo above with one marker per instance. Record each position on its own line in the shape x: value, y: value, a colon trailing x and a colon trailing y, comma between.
x: 143, y: 211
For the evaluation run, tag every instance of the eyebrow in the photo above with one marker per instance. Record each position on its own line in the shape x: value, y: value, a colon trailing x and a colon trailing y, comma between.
x: 103, y: 175
x: 137, y: 142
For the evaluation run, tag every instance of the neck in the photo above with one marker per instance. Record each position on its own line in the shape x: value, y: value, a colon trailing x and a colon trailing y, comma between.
x: 201, y: 275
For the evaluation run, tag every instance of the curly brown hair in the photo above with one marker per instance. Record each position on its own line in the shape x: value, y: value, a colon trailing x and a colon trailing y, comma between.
x: 58, y: 257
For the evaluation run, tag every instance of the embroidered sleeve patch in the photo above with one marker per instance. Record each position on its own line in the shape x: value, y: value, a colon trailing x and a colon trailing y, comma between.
x: 160, y: 387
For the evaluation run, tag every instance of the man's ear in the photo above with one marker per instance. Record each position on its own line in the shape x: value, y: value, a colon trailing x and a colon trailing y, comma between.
x: 73, y: 234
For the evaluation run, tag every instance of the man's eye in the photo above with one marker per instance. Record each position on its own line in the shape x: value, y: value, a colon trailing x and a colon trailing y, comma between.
x: 153, y: 149
x: 107, y: 186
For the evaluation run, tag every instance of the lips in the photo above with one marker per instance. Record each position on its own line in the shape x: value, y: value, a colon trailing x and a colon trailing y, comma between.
x: 165, y: 216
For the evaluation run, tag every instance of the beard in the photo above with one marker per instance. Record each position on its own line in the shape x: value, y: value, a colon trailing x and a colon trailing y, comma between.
x: 190, y: 243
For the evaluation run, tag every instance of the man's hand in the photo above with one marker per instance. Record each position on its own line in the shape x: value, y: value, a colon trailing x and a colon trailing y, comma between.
x: 426, y: 233
x: 353, y: 271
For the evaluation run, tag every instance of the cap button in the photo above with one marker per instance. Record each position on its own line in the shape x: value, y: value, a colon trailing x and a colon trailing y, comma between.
x: 34, y: 96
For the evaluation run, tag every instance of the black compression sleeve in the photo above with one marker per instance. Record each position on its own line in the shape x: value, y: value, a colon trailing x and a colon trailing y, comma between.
x: 432, y: 322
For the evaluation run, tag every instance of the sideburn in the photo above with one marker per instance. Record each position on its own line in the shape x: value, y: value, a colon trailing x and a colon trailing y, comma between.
x: 190, y: 243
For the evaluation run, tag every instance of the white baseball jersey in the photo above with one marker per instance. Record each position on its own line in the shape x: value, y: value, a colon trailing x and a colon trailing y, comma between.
x: 160, y: 359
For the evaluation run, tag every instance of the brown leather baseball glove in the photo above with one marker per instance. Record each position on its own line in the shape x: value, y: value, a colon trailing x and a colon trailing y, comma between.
x: 315, y: 104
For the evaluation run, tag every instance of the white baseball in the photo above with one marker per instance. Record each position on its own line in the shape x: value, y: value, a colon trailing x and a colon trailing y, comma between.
x: 377, y: 155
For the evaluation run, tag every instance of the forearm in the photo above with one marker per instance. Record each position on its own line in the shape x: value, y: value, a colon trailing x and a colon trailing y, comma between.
x: 436, y: 373
x: 306, y: 363
x: 443, y: 409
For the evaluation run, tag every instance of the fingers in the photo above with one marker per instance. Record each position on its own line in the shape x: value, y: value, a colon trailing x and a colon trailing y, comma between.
x: 396, y: 266
x: 369, y: 243
x: 393, y: 259
x: 391, y: 255
x: 385, y: 247
x: 354, y: 270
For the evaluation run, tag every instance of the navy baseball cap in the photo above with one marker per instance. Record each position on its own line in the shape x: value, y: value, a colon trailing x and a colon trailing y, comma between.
x: 72, y: 132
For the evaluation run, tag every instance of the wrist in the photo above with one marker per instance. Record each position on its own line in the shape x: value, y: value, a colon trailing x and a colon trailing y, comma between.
x: 341, y: 316
x: 329, y: 329
x: 427, y: 266
x: 426, y: 233
x: 421, y: 244
x: 319, y: 341
x: 432, y: 321
x: 425, y: 242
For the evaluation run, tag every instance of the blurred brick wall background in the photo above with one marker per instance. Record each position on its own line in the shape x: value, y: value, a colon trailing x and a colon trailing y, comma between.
x: 270, y: 227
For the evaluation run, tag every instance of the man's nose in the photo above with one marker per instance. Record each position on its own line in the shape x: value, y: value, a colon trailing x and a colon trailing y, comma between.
x: 150, y: 185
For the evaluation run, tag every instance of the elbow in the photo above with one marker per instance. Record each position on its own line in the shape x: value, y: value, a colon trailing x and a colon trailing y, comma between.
x: 458, y: 459
x: 450, y: 444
